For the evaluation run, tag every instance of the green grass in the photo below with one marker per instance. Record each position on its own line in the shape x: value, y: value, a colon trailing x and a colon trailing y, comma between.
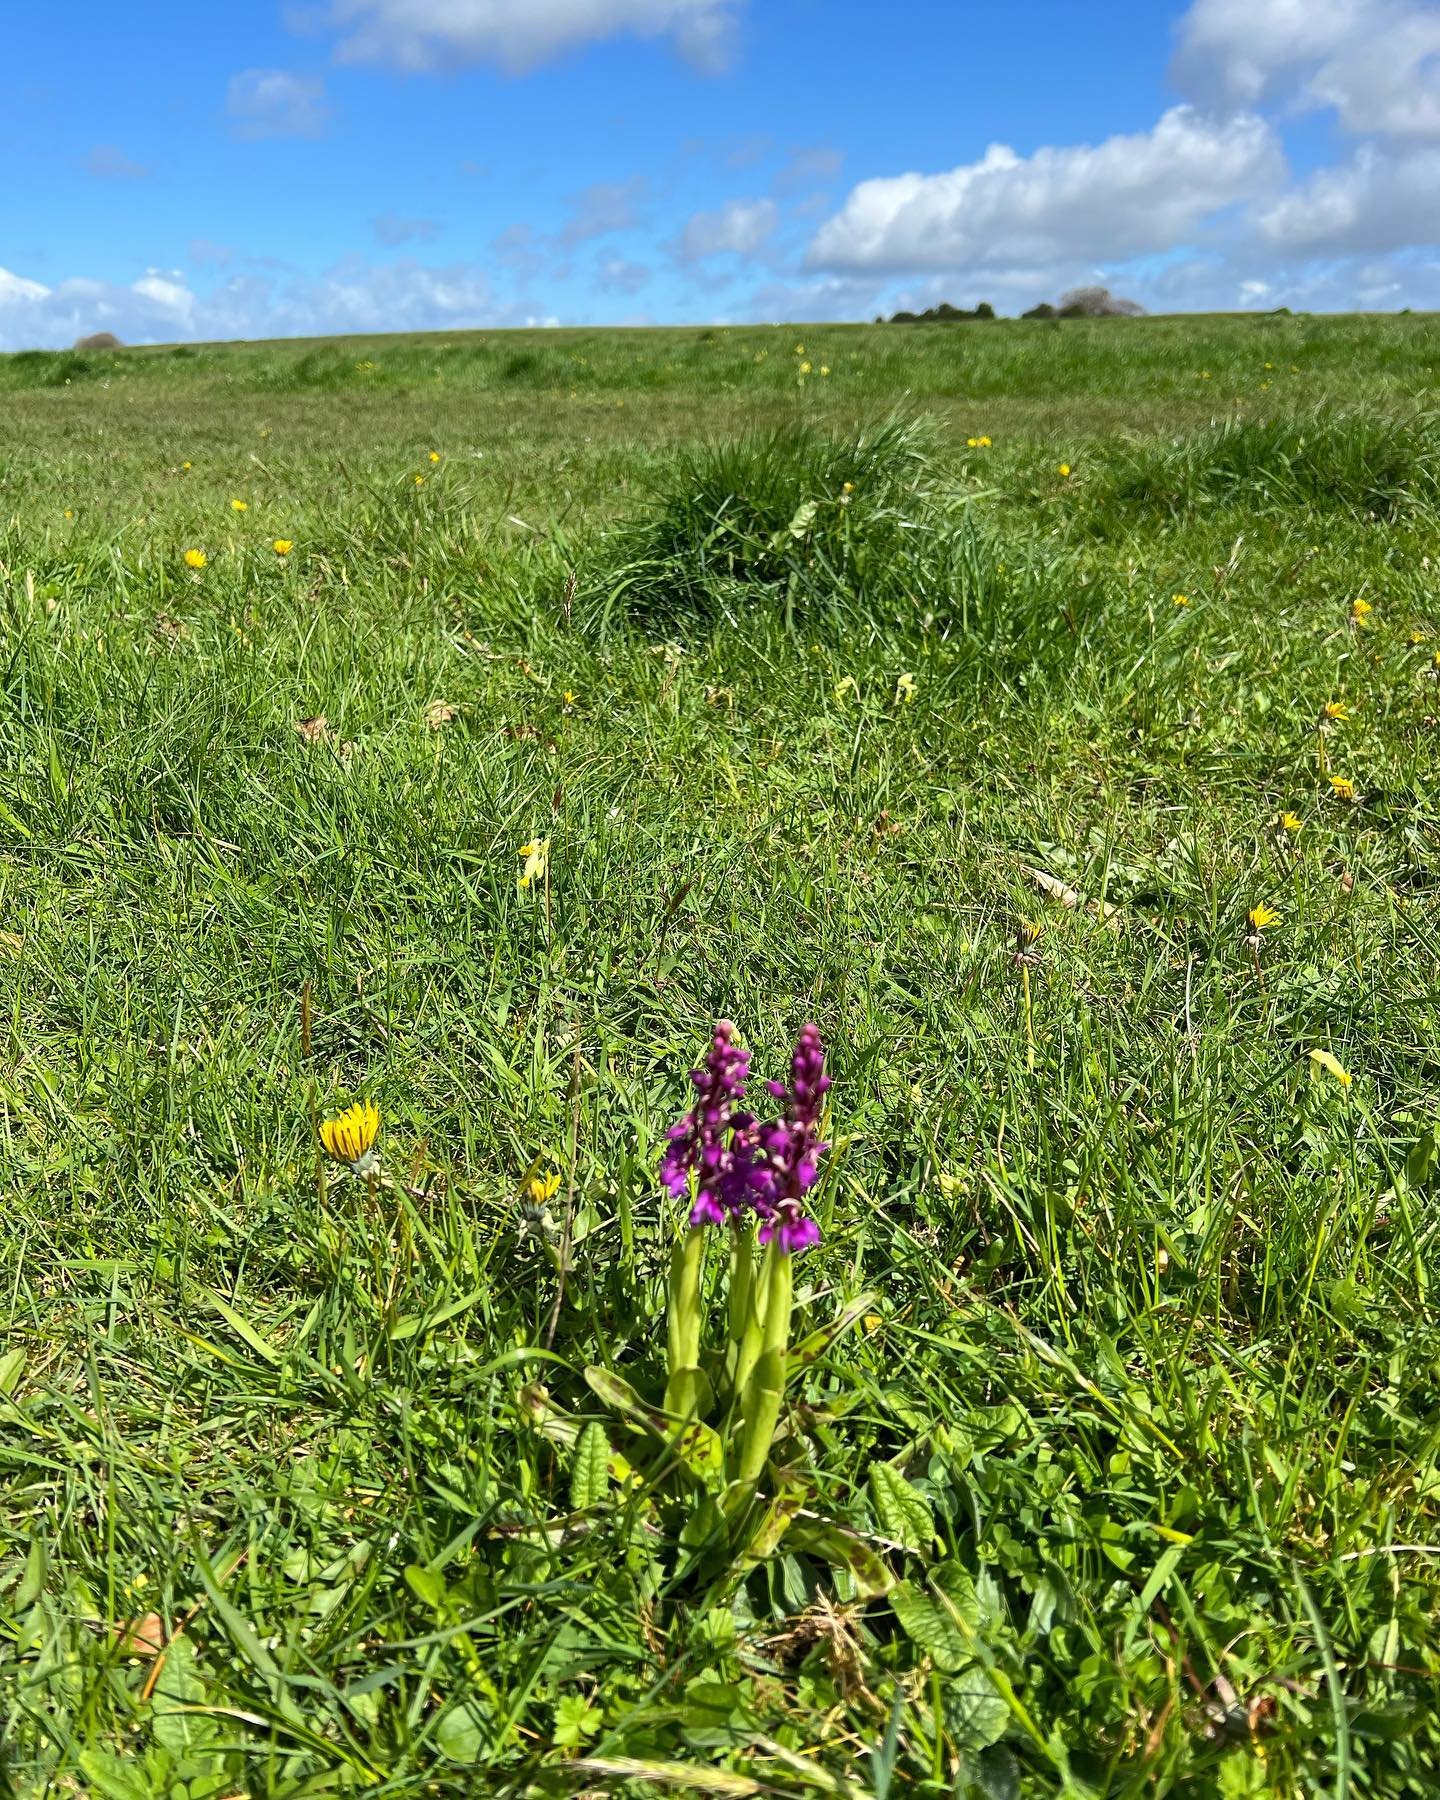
x: 1155, y: 1348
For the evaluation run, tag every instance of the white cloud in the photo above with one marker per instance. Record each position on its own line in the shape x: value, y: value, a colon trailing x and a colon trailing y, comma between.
x: 616, y: 276
x: 420, y: 35
x: 273, y: 103
x: 1126, y: 197
x: 1376, y: 62
x: 354, y: 296
x: 739, y: 228
x: 1379, y: 200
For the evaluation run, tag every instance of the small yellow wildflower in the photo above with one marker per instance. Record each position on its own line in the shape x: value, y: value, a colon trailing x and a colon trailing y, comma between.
x: 1290, y: 821
x: 1064, y: 471
x: 799, y: 349
x: 1262, y: 917
x: 540, y: 1188
x: 239, y: 506
x: 350, y: 1138
x: 847, y: 487
x: 537, y: 861
x: 1180, y: 599
x: 984, y: 443
x: 186, y: 467
x: 847, y: 684
x: 1336, y: 712
x: 823, y: 369
x: 434, y: 456
x: 419, y: 481
x: 283, y: 546
x: 1332, y: 1066
x: 1417, y: 636
x: 1342, y: 787
x: 195, y: 559
x: 69, y: 512
x: 804, y: 368
x: 1360, y: 609
x: 568, y: 697
x: 904, y: 690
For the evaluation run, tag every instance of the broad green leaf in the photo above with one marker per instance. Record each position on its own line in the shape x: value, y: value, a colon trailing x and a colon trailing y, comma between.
x: 1420, y: 1164
x: 976, y: 1715
x: 903, y: 1514
x: 929, y: 1624
x: 590, y: 1471
x: 618, y: 1394
x: 461, y: 1732
x: 427, y: 1586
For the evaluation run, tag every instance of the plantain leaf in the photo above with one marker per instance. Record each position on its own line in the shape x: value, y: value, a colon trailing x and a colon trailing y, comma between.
x: 904, y: 1515
x: 931, y: 1626
x: 843, y: 1550
x: 590, y: 1471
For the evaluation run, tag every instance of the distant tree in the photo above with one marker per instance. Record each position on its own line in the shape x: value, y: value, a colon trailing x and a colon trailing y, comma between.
x: 1043, y: 311
x: 99, y: 340
x: 1097, y: 303
x: 944, y: 314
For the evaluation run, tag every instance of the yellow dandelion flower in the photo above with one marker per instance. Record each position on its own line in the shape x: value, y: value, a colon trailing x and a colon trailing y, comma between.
x: 1262, y: 917
x: 69, y: 512
x: 186, y: 467
x: 568, y: 697
x: 904, y: 690
x: 1336, y: 712
x: 1360, y: 609
x: 434, y: 456
x: 1180, y: 599
x: 1290, y: 821
x: 1064, y: 471
x: 283, y: 546
x: 419, y: 481
x: 1342, y: 787
x: 1417, y: 636
x: 847, y: 487
x: 540, y: 1188
x: 983, y: 442
x: 195, y: 559
x: 537, y: 861
x: 1332, y: 1065
x: 239, y: 506
x: 350, y: 1137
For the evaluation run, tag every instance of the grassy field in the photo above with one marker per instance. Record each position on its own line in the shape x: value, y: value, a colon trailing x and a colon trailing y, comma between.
x: 966, y: 700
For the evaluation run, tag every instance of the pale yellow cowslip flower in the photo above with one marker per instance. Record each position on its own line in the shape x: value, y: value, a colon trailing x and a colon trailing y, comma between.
x: 847, y: 684
x: 823, y: 369
x: 804, y: 368
x: 537, y: 861
x: 350, y: 1138
x: 905, y: 690
x: 1322, y: 1059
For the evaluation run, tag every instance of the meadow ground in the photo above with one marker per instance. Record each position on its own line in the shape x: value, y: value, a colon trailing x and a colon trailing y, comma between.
x: 965, y: 699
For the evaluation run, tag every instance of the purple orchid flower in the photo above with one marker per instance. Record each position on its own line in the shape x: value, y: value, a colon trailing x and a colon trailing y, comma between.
x: 713, y: 1140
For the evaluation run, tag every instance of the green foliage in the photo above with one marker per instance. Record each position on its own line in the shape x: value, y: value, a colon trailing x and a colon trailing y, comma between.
x: 1121, y: 1476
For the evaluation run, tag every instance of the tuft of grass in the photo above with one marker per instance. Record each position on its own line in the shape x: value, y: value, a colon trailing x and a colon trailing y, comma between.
x: 813, y: 523
x: 1372, y: 464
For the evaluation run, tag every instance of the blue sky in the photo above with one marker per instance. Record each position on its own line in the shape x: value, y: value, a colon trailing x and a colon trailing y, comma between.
x: 289, y: 166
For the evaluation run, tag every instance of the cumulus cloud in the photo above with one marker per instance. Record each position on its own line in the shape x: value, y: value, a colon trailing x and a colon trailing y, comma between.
x: 1376, y: 62
x: 109, y: 163
x: 739, y: 228
x: 1379, y: 200
x: 273, y: 103
x: 518, y: 35
x: 1128, y: 196
x: 161, y: 307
